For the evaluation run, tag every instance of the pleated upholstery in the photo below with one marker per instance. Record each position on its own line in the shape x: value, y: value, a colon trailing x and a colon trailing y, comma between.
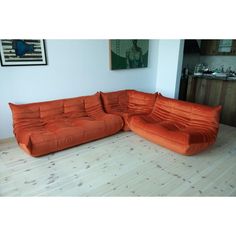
x: 125, y: 116
x: 45, y: 127
x: 42, y: 128
x: 127, y: 103
x: 184, y: 127
x: 75, y: 107
x: 54, y: 108
x: 93, y: 106
x: 140, y: 102
x: 115, y: 101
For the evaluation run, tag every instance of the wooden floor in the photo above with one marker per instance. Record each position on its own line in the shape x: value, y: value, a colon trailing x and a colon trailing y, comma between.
x: 121, y: 165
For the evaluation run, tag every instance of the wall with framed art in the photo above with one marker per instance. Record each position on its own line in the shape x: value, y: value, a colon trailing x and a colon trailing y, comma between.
x: 76, y: 68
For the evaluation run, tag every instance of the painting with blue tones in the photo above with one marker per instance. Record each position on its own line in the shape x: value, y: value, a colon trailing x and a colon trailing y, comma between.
x: 22, y: 52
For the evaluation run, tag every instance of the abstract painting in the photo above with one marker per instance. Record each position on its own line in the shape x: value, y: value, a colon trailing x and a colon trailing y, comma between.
x: 128, y: 53
x: 22, y: 52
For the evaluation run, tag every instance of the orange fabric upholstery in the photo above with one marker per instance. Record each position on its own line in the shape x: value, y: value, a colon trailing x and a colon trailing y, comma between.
x: 93, y: 106
x: 115, y: 101
x: 75, y: 107
x: 140, y: 102
x: 51, y: 109
x: 127, y: 103
x: 45, y: 127
x: 183, y: 127
x: 126, y: 116
x: 42, y: 128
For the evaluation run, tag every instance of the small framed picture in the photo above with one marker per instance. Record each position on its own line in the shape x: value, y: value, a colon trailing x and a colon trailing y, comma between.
x: 128, y: 54
x: 22, y: 52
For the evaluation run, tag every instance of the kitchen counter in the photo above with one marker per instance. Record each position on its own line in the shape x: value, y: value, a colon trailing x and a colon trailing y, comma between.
x: 206, y: 76
x: 211, y: 91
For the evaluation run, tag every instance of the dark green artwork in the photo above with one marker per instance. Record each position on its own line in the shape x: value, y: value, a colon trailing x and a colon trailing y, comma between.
x: 128, y: 53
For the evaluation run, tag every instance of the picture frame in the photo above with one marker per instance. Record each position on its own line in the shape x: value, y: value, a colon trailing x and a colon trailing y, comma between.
x: 128, y: 53
x: 22, y: 52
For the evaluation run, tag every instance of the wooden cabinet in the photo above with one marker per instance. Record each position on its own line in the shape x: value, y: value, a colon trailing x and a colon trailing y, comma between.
x: 211, y: 47
x: 214, y: 92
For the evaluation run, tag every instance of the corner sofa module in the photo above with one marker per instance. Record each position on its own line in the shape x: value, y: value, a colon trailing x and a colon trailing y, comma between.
x: 45, y: 127
x: 127, y: 103
x: 184, y: 127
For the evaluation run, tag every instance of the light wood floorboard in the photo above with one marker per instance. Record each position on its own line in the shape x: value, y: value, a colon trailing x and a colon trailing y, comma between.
x: 121, y: 165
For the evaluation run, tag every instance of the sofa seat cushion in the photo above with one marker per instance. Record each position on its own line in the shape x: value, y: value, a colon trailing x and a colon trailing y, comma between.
x: 180, y: 147
x: 54, y: 135
x: 173, y: 130
x: 126, y: 116
x: 165, y: 129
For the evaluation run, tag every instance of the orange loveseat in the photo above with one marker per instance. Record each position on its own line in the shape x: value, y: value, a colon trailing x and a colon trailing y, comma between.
x: 45, y: 127
x: 184, y: 127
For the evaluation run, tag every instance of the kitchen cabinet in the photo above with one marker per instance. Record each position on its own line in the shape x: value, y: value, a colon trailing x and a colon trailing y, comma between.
x: 214, y: 92
x: 211, y: 47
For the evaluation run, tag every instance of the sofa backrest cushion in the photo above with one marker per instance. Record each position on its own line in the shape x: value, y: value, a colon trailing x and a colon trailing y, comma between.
x: 75, y: 106
x: 70, y: 106
x: 186, y: 113
x: 140, y: 102
x: 93, y: 105
x: 24, y: 111
x: 50, y: 109
x: 115, y: 101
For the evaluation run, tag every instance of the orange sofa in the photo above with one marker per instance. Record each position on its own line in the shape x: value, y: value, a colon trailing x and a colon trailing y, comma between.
x: 45, y: 127
x: 127, y: 103
x: 184, y: 127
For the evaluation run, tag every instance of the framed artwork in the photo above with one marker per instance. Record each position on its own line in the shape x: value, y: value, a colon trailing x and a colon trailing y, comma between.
x: 22, y: 52
x: 128, y: 53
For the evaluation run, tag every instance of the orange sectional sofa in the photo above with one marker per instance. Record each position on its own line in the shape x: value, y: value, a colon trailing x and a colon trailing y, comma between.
x: 45, y: 127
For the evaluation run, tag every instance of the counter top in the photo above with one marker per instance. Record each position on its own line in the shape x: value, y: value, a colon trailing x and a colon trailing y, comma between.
x: 211, y: 77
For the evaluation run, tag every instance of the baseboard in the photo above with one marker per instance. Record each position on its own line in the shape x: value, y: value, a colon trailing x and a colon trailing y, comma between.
x: 7, y: 140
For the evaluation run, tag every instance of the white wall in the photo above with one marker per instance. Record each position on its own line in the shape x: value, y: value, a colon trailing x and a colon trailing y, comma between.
x: 75, y: 68
x: 169, y: 65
